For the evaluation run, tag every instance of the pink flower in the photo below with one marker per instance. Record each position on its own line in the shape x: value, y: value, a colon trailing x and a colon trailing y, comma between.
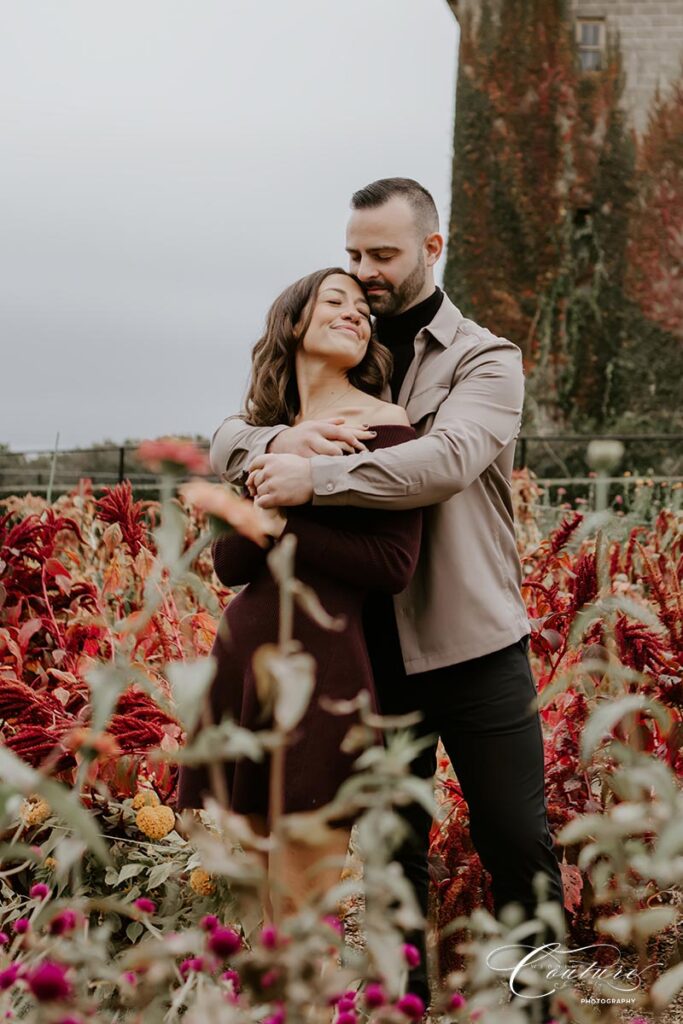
x: 346, y: 1003
x: 70, y: 1020
x: 22, y: 925
x: 347, y: 1017
x: 374, y: 996
x: 216, y: 500
x: 173, y: 454
x: 193, y: 963
x: 130, y: 977
x: 9, y: 976
x: 334, y: 923
x: 4, y: 938
x: 278, y: 1017
x: 63, y: 922
x: 48, y: 982
x: 457, y: 1001
x: 269, y: 937
x: 411, y: 955
x: 224, y: 942
x: 145, y: 905
x: 269, y: 978
x: 39, y: 891
x: 209, y: 922
x: 411, y: 1005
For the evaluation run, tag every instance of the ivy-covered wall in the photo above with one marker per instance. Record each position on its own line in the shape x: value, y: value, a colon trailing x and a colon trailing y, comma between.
x: 557, y: 219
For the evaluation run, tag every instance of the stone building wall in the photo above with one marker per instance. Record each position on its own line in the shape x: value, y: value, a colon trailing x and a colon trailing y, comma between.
x: 651, y: 36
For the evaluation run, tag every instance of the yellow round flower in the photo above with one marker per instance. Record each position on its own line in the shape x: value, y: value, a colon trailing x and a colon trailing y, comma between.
x: 50, y: 863
x: 145, y: 798
x: 35, y: 811
x: 155, y: 822
x: 201, y: 882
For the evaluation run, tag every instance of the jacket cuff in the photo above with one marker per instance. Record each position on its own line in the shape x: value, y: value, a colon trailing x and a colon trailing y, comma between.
x: 328, y: 476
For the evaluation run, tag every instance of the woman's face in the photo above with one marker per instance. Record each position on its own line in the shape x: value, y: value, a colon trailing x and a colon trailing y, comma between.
x: 339, y: 330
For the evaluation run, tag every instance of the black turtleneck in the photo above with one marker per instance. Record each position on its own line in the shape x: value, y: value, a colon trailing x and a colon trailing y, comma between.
x: 398, y: 334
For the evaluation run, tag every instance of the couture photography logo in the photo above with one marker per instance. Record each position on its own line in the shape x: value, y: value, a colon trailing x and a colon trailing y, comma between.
x: 597, y: 966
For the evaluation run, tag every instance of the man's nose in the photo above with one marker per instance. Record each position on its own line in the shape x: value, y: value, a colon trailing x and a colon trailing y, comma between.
x: 366, y: 270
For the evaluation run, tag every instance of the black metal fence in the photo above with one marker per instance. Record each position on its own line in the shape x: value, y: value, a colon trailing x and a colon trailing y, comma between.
x: 559, y: 462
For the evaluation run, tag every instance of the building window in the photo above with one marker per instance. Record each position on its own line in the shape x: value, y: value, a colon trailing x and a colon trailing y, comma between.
x: 590, y: 39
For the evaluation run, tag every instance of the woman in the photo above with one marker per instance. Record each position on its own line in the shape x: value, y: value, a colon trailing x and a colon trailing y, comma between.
x: 317, y: 359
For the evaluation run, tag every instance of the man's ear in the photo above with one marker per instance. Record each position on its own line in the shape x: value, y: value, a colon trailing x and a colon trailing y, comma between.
x: 433, y: 246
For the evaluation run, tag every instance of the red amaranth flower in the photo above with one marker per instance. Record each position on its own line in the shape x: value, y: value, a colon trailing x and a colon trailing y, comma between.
x: 117, y: 506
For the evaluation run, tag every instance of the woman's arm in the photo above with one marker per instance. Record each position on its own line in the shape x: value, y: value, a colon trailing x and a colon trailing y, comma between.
x: 236, y: 559
x: 382, y: 556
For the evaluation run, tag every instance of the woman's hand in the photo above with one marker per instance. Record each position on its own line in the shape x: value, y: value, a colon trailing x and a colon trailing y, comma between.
x: 273, y: 521
x: 320, y: 437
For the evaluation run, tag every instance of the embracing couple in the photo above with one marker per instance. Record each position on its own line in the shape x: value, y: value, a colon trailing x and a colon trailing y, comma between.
x: 380, y: 429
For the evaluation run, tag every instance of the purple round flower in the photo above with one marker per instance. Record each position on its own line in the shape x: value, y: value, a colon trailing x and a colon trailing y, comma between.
x: 345, y: 1004
x: 269, y: 937
x: 4, y: 938
x: 39, y: 891
x: 411, y: 1005
x: 63, y: 922
x: 9, y: 976
x: 193, y: 963
x: 278, y: 1017
x: 48, y: 982
x: 22, y: 925
x: 224, y: 942
x: 145, y: 905
x: 457, y: 1001
x: 374, y: 996
x: 411, y: 955
x: 209, y: 922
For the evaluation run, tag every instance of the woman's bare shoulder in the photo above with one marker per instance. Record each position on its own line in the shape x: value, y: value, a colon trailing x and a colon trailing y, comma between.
x: 385, y: 412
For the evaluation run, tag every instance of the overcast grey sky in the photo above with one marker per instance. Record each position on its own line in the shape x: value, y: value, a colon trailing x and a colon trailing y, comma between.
x: 167, y: 168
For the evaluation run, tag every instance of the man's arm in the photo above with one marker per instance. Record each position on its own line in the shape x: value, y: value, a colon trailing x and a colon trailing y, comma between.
x: 236, y: 444
x: 477, y: 420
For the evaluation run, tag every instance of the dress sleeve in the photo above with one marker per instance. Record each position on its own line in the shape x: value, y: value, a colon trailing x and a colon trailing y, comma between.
x: 382, y: 556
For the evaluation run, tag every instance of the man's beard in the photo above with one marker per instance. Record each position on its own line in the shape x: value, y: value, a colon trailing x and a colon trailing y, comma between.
x: 397, y: 298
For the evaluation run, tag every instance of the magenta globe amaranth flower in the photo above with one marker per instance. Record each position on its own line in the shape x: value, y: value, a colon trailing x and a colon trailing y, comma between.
x: 9, y: 976
x: 279, y: 1017
x: 347, y: 1017
x: 457, y: 1001
x: 22, y: 925
x: 4, y: 938
x: 48, y: 982
x: 145, y: 905
x: 39, y: 891
x: 270, y: 937
x: 411, y: 955
x: 193, y: 963
x: 224, y: 942
x: 209, y: 922
x: 63, y: 922
x: 234, y: 979
x: 374, y: 996
x: 411, y: 1005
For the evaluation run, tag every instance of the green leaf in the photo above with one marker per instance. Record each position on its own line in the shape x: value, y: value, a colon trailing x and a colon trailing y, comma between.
x: 609, y: 714
x: 129, y: 871
x: 134, y: 930
x: 159, y: 874
x: 666, y: 988
x: 107, y: 683
x: 190, y: 681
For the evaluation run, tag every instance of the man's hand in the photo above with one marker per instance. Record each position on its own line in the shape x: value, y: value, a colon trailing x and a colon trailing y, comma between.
x: 320, y: 437
x: 280, y: 480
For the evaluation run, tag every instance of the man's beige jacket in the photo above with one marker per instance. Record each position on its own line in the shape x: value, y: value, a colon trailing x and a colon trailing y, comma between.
x: 463, y: 393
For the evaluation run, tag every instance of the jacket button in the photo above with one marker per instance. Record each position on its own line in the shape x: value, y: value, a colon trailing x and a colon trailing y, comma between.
x: 330, y: 487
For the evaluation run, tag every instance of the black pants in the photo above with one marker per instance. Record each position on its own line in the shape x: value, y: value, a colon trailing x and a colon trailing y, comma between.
x: 480, y: 709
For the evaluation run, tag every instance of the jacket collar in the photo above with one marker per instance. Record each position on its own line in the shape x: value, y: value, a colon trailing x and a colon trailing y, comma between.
x: 444, y: 326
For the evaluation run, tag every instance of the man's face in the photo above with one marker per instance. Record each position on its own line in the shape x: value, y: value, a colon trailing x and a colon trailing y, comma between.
x: 387, y: 254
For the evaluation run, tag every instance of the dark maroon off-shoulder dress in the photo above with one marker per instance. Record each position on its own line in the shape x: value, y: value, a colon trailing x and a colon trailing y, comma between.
x: 345, y: 554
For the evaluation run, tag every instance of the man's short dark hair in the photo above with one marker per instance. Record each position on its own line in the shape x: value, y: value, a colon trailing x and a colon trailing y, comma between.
x: 380, y: 191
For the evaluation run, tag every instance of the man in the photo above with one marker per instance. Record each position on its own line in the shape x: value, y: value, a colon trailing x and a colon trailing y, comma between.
x: 458, y: 635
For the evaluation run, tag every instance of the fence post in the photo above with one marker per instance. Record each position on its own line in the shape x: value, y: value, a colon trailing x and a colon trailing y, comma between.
x: 522, y: 453
x: 53, y: 466
x: 122, y: 462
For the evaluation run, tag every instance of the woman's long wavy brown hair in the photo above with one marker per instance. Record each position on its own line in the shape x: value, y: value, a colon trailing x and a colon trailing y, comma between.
x: 273, y: 395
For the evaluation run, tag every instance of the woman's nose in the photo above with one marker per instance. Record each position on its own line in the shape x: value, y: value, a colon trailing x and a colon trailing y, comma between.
x: 351, y: 313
